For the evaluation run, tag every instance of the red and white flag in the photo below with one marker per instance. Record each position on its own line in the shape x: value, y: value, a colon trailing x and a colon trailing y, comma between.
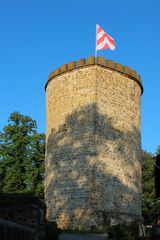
x: 103, y: 40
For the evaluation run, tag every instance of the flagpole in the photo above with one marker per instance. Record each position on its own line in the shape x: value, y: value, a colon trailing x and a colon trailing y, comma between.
x: 96, y: 43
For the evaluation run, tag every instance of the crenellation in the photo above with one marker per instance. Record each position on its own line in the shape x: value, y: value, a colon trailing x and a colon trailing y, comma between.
x: 71, y: 65
x: 119, y: 67
x: 81, y: 62
x: 96, y: 61
x: 101, y: 61
x: 64, y: 68
x: 90, y: 60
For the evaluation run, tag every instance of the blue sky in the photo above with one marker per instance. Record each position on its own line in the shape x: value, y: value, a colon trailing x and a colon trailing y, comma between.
x: 37, y: 36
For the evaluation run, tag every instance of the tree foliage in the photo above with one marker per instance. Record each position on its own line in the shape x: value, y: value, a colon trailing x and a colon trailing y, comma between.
x: 22, y: 151
x: 150, y: 204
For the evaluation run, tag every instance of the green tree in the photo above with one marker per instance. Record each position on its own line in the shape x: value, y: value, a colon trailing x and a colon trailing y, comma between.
x: 150, y: 204
x: 158, y: 150
x: 148, y: 195
x: 22, y: 151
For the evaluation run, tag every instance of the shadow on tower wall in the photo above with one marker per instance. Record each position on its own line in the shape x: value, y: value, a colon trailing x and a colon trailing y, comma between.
x: 93, y: 171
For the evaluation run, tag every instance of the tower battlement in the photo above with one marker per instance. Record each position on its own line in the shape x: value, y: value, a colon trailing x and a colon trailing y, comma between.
x: 125, y: 70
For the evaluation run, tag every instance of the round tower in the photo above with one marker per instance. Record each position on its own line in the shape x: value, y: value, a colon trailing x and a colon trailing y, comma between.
x: 93, y: 145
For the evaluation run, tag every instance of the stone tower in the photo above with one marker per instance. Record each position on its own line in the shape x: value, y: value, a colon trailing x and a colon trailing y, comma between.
x: 93, y: 152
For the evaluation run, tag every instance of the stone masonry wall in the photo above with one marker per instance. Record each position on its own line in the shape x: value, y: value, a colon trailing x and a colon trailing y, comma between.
x: 93, y: 155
